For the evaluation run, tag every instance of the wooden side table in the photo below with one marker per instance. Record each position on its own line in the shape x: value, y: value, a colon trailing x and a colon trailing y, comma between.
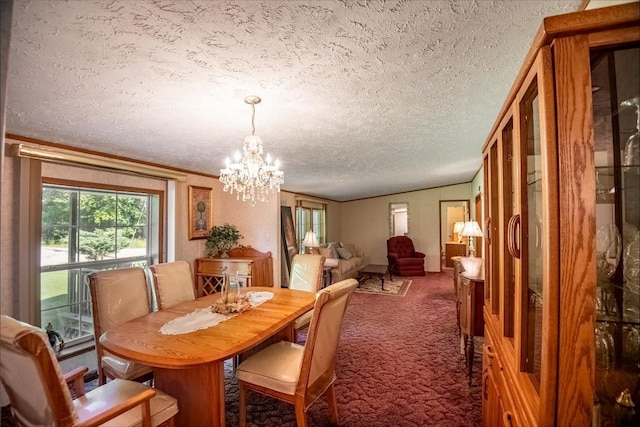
x: 471, y: 314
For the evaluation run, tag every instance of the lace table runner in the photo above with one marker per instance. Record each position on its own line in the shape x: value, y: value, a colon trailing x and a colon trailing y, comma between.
x: 204, y: 318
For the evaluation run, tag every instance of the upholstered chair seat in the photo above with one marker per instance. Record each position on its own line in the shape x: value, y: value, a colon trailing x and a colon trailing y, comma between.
x: 122, y: 368
x: 173, y: 283
x: 301, y: 374
x: 118, y: 296
x: 40, y: 396
x: 403, y: 259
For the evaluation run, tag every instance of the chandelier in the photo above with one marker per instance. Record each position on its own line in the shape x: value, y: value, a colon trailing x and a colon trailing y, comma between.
x: 250, y: 175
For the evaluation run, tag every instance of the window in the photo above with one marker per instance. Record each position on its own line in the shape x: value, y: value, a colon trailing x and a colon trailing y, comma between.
x: 310, y: 218
x: 86, y: 230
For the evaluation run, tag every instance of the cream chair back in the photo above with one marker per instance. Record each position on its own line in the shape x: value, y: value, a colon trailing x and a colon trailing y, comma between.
x: 306, y: 272
x: 173, y: 283
x: 40, y: 396
x: 117, y: 296
x: 33, y: 381
x: 319, y: 359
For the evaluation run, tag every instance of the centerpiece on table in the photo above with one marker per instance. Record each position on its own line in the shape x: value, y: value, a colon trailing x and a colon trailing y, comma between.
x: 221, y: 239
x: 231, y: 301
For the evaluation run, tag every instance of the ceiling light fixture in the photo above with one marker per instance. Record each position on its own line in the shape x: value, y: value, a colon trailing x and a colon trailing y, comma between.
x: 250, y: 175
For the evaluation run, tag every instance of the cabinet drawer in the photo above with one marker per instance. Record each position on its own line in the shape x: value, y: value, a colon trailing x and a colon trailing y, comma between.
x: 216, y: 267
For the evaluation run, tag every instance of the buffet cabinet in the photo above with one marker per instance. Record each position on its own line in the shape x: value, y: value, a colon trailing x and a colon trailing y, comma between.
x: 454, y: 249
x: 562, y: 191
x: 251, y: 267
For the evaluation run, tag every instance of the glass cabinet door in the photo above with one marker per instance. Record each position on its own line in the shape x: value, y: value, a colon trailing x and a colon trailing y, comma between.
x: 508, y: 198
x: 616, y: 90
x: 530, y: 248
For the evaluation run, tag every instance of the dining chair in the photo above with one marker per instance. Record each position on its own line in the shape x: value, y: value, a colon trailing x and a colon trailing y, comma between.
x: 40, y: 396
x: 306, y: 275
x: 300, y: 374
x: 173, y: 283
x: 118, y: 296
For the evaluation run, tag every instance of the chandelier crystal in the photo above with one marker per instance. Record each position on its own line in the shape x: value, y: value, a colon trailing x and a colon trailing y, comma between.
x: 249, y: 174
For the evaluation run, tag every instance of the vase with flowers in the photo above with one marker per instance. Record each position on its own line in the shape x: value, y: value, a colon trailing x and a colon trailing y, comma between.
x: 221, y: 239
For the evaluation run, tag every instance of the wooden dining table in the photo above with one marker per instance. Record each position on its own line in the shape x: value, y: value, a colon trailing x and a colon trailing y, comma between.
x: 190, y: 366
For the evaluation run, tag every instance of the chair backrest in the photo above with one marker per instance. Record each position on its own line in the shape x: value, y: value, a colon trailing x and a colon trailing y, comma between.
x: 117, y: 296
x: 32, y: 377
x: 306, y: 272
x: 401, y: 246
x: 319, y: 359
x: 173, y: 283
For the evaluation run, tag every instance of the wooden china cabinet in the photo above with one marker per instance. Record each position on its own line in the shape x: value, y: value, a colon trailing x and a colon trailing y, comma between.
x: 562, y: 190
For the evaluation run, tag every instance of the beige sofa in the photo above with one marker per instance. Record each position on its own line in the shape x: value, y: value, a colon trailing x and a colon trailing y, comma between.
x: 344, y: 259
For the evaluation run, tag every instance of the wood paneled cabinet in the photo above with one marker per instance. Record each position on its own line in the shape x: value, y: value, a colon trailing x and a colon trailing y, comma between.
x: 562, y: 190
x: 453, y: 249
x: 253, y: 268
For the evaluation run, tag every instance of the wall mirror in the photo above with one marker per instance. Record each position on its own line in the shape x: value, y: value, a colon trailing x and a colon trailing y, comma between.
x: 452, y: 212
x: 398, y: 219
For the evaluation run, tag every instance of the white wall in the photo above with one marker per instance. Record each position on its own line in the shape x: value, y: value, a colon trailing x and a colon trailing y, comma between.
x: 366, y: 222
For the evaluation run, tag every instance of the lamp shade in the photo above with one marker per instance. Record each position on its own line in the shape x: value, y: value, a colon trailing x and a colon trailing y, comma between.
x: 472, y: 229
x: 458, y: 227
x: 310, y: 240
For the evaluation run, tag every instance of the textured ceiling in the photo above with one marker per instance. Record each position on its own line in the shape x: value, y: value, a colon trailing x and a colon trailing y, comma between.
x: 359, y: 98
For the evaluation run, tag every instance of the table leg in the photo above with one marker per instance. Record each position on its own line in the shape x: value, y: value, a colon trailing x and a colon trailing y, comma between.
x: 199, y: 391
x: 458, y: 303
x: 382, y: 278
x: 469, y: 355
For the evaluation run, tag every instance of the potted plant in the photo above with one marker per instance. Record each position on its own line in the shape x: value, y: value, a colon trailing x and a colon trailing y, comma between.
x: 222, y: 238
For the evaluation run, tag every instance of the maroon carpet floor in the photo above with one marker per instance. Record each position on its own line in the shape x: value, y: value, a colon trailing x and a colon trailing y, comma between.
x: 398, y: 365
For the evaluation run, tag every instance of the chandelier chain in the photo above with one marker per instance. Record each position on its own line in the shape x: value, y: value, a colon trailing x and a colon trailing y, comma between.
x: 253, y: 118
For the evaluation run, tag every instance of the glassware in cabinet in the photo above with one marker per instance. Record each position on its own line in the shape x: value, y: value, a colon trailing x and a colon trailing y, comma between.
x: 616, y: 117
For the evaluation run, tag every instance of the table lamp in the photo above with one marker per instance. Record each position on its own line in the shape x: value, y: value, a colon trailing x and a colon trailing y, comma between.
x: 457, y: 230
x: 471, y: 230
x: 310, y: 241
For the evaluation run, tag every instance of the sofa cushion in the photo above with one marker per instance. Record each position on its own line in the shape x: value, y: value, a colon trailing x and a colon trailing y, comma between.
x: 350, y: 247
x: 344, y: 266
x: 344, y: 253
x: 325, y: 252
x: 334, y: 250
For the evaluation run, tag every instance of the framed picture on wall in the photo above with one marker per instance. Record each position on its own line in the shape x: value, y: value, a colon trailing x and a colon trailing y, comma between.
x: 200, y: 212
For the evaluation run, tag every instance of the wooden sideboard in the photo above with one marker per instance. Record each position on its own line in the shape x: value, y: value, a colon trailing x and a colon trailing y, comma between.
x: 469, y: 291
x: 254, y: 268
x: 453, y: 249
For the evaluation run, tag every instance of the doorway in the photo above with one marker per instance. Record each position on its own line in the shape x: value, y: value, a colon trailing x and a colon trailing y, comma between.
x: 452, y: 212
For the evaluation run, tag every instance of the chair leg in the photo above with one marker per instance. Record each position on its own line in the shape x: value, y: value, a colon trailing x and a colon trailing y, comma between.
x: 333, y: 408
x: 242, y: 401
x: 301, y: 415
x: 146, y: 414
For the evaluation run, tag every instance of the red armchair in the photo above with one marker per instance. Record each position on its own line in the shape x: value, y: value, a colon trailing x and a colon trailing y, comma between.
x: 403, y: 258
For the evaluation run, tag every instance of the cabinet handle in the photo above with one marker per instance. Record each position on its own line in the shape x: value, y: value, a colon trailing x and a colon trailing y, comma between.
x: 513, y: 229
x: 490, y: 352
x: 507, y: 417
x: 487, y: 226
